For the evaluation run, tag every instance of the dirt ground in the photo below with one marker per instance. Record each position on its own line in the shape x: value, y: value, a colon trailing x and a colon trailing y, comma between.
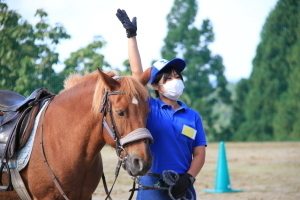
x: 262, y: 170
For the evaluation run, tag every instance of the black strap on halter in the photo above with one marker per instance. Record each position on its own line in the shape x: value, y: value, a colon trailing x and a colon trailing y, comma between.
x: 113, y: 131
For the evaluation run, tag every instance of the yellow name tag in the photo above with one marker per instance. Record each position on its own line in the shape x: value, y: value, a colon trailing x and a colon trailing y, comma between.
x: 189, y: 132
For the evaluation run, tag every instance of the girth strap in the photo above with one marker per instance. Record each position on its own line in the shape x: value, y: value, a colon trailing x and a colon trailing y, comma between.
x: 19, y: 185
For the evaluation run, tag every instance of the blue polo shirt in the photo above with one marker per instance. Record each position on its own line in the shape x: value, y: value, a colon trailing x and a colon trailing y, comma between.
x: 175, y: 134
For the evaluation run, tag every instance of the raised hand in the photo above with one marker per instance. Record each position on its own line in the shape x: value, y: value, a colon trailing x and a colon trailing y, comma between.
x: 130, y: 26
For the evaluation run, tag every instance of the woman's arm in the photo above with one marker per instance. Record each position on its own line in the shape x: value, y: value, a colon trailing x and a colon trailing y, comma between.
x: 134, y: 58
x: 184, y: 182
x: 198, y: 160
x: 133, y: 51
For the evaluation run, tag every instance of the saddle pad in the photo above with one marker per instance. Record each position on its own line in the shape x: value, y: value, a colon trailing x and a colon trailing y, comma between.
x: 23, y: 155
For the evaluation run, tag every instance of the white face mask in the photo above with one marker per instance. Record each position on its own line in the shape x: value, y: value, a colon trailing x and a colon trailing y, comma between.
x: 174, y: 89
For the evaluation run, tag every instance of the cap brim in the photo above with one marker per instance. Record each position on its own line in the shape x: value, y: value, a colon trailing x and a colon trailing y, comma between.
x: 177, y: 63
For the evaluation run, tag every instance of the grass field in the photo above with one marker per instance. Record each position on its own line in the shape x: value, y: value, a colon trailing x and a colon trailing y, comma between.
x: 262, y: 170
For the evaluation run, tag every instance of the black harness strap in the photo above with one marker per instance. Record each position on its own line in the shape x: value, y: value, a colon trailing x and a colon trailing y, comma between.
x: 114, y: 133
x: 132, y: 190
x: 116, y: 176
x: 53, y: 177
x: 105, y: 187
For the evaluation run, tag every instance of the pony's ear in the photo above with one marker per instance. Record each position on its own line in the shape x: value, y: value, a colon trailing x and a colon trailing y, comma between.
x: 145, y: 77
x: 110, y: 83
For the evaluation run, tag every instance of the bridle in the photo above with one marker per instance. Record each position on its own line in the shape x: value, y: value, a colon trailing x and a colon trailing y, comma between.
x: 113, y: 131
x: 136, y: 135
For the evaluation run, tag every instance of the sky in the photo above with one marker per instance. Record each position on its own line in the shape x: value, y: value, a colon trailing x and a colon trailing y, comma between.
x: 236, y: 23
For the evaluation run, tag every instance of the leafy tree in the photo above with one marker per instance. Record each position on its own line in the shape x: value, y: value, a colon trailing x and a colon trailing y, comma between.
x: 27, y: 53
x: 238, y: 117
x: 270, y: 103
x: 87, y: 59
x: 205, y: 81
x: 286, y: 121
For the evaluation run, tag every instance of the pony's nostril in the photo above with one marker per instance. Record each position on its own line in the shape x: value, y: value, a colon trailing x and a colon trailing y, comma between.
x: 137, y: 163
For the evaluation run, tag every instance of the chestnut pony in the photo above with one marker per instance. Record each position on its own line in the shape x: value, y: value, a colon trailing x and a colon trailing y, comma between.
x: 73, y: 136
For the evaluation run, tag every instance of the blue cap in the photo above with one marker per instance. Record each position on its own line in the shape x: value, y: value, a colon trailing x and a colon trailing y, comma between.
x: 159, y: 65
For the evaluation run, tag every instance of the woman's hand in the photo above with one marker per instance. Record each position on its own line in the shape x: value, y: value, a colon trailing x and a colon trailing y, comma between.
x: 130, y: 26
x: 182, y: 185
x: 133, y: 51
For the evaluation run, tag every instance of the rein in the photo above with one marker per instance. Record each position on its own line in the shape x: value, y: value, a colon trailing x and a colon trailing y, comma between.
x: 53, y: 177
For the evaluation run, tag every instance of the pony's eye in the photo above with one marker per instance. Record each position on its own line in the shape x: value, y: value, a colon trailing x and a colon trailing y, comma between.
x: 120, y: 113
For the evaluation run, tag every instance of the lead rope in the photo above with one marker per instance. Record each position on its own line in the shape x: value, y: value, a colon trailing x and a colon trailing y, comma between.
x: 169, y: 180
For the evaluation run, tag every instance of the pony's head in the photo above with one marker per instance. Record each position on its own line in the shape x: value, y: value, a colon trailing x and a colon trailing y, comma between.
x: 123, y: 105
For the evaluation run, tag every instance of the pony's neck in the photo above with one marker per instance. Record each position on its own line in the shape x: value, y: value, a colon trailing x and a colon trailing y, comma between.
x: 76, y: 125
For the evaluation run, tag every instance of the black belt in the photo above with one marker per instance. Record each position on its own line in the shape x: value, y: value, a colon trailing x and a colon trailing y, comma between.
x: 159, y: 175
x: 154, y: 174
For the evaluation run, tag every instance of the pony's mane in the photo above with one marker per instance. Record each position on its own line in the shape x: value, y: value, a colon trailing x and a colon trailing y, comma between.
x: 72, y: 80
x: 129, y: 85
x: 75, y: 78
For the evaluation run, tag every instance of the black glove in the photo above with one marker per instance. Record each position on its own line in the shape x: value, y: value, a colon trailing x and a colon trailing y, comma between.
x: 130, y: 26
x: 182, y: 185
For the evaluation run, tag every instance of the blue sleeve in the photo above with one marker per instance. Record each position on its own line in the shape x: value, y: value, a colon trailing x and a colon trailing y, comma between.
x: 200, y: 139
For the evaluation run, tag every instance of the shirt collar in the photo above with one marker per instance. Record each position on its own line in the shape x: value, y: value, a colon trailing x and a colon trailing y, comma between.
x: 163, y: 105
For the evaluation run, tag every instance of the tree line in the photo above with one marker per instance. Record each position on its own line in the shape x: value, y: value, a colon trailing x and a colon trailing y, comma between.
x: 267, y: 104
x: 263, y: 107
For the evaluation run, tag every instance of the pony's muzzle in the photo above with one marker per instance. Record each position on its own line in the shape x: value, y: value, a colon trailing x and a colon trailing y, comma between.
x: 137, y: 166
x: 139, y: 158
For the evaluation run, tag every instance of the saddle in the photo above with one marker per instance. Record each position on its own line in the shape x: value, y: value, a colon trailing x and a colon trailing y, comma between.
x: 17, y: 116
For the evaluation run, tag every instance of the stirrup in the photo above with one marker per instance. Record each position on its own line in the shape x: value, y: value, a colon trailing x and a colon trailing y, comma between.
x: 9, y: 187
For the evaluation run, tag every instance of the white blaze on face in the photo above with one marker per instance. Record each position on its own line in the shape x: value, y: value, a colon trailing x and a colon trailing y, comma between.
x: 135, y: 101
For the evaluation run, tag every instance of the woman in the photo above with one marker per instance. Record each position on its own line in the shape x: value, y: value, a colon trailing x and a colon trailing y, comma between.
x: 179, y: 137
